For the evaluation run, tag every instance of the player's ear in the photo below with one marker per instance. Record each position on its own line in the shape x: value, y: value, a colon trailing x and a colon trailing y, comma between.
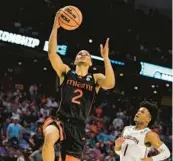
x: 149, y: 119
x: 91, y: 63
x: 75, y: 62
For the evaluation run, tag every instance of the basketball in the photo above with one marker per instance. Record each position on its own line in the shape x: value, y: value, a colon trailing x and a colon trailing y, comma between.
x: 70, y: 18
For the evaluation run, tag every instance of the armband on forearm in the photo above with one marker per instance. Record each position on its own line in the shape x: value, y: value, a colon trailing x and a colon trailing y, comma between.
x: 117, y: 150
x: 164, y: 153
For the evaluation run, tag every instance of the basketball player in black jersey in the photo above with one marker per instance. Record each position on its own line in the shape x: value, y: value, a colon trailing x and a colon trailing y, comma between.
x: 78, y: 90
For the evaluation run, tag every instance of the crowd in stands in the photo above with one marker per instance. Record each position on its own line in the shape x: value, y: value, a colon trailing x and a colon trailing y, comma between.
x: 23, y: 110
x: 22, y: 114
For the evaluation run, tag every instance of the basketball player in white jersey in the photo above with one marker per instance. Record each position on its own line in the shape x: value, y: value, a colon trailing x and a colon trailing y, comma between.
x: 136, y: 141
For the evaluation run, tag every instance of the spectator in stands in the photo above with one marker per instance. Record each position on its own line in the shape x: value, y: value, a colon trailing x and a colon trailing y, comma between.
x: 14, y: 130
x: 36, y: 139
x: 51, y: 102
x: 97, y: 151
x: 36, y: 155
x: 110, y: 157
x: 4, y: 127
x: 118, y: 122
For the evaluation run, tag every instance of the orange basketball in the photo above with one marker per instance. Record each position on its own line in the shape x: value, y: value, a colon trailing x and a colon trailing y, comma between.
x: 70, y: 18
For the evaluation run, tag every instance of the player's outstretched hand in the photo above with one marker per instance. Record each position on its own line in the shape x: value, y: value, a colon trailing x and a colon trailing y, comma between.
x: 104, y: 50
x: 56, y: 21
x: 146, y: 159
x: 119, y: 142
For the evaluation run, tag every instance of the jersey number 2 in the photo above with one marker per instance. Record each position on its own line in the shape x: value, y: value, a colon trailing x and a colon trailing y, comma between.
x: 80, y: 94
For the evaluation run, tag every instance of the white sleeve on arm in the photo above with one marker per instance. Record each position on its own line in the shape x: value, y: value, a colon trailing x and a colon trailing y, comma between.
x: 164, y: 153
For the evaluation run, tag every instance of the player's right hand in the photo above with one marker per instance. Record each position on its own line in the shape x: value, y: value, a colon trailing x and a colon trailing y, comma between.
x: 56, y: 21
x: 119, y: 142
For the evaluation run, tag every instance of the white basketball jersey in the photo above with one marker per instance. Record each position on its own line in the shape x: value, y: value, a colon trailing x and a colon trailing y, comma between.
x: 133, y: 148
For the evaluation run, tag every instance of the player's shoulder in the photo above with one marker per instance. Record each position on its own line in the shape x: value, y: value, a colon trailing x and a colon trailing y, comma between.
x: 127, y: 128
x: 145, y: 131
x: 153, y: 138
x: 98, y: 76
x: 70, y: 72
x: 150, y: 134
x: 67, y: 68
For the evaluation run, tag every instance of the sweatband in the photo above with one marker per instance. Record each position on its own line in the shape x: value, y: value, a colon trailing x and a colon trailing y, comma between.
x: 117, y: 151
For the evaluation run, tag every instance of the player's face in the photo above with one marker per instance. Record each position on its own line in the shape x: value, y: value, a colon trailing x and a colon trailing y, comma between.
x: 142, y: 116
x: 83, y: 57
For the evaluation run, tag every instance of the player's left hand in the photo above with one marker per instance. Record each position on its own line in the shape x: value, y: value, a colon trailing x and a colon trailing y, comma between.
x: 104, y: 50
x: 147, y: 159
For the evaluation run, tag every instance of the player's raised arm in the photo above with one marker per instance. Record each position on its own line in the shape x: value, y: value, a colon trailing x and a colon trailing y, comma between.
x: 155, y: 141
x: 54, y: 58
x: 107, y: 81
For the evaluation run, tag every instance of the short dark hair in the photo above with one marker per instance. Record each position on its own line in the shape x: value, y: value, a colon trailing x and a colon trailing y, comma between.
x: 152, y: 108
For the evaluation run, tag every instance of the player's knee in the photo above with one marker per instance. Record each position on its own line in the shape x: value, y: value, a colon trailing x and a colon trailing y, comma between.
x: 51, y: 135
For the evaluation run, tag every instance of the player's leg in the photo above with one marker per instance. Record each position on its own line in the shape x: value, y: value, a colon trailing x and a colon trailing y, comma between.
x: 51, y: 136
x: 74, y: 135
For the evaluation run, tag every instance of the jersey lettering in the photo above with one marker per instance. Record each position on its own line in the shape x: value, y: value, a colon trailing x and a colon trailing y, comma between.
x: 131, y: 138
x: 80, y: 85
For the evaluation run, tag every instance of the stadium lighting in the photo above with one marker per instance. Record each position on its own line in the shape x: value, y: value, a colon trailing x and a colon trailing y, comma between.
x: 44, y: 68
x: 153, y: 86
x: 20, y: 63
x: 136, y: 88
x: 155, y: 92
x: 90, y: 40
x: 167, y: 85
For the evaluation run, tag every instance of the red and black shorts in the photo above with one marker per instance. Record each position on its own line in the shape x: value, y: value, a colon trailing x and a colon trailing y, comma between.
x: 72, y: 138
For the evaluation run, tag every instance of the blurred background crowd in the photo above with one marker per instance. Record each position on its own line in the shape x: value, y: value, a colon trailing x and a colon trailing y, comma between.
x: 22, y: 113
x: 29, y: 90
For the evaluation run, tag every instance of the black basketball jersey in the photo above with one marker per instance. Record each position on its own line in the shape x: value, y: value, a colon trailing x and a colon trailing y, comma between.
x: 77, y: 96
